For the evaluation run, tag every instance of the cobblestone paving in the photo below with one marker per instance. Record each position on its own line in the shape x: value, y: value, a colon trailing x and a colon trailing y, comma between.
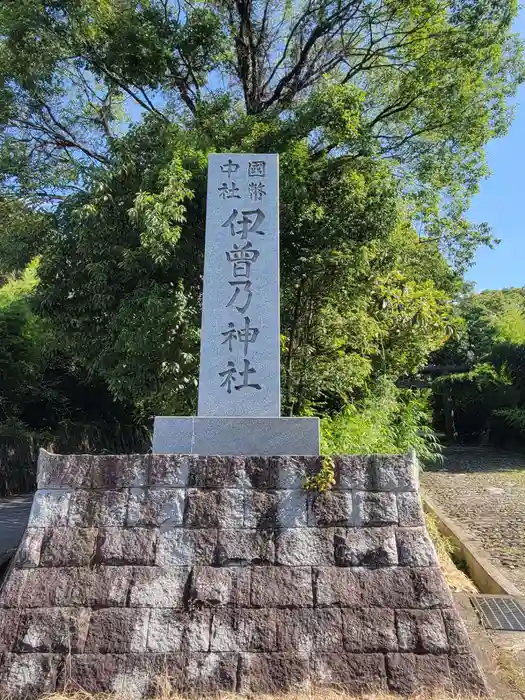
x: 484, y: 490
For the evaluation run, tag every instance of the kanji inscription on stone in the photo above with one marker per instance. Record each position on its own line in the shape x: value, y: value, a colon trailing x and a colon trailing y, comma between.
x: 239, y: 367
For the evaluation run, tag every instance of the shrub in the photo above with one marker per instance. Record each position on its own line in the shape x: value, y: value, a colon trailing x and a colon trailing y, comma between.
x: 391, y: 420
x: 507, y: 427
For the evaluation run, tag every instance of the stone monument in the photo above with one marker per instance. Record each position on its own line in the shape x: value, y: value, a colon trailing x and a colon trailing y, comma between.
x: 214, y: 569
x: 239, y: 410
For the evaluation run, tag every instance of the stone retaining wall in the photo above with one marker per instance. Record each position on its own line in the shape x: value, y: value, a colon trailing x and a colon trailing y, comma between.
x: 224, y: 574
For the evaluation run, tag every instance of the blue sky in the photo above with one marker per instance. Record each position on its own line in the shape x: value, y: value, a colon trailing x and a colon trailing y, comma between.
x: 501, y: 202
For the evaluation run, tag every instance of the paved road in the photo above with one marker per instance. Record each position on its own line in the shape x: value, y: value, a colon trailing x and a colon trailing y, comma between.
x: 14, y: 513
x: 484, y: 491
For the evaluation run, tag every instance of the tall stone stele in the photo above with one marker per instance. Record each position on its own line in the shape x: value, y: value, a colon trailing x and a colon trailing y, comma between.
x: 239, y: 409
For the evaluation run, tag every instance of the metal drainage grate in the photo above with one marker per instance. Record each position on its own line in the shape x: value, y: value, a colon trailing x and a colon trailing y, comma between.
x: 500, y: 612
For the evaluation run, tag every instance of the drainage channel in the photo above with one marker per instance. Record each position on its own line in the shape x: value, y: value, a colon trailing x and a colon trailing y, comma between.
x: 500, y: 612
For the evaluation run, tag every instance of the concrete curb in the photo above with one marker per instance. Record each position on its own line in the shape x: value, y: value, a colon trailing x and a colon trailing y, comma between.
x: 485, y: 575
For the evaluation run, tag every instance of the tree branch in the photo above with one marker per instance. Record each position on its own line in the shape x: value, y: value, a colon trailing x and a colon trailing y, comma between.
x: 115, y: 78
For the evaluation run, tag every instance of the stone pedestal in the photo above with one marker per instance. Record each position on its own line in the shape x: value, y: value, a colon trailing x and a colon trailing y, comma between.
x: 236, y: 436
x: 225, y: 575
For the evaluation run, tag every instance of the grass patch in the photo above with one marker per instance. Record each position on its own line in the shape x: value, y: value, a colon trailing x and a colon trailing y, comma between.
x: 321, y: 694
x: 453, y: 572
x: 511, y: 670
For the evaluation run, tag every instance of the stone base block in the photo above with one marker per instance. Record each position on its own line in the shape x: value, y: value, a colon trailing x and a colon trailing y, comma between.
x: 224, y: 574
x: 207, y: 435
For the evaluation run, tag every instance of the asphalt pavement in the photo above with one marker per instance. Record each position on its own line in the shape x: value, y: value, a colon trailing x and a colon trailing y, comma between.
x: 14, y: 514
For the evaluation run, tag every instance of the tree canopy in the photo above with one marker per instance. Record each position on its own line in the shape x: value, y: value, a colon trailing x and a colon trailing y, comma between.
x: 423, y: 84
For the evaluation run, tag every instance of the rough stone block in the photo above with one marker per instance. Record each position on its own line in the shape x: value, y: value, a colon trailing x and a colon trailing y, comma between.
x: 60, y: 630
x: 351, y: 471
x: 104, y: 586
x: 372, y: 509
x: 98, y: 509
x: 429, y: 588
x: 260, y: 508
x: 69, y: 586
x: 393, y: 473
x: 371, y: 547
x: 148, y: 675
x: 50, y: 508
x: 63, y: 471
x: 369, y: 629
x: 387, y: 588
x: 175, y: 631
x: 409, y: 509
x: 96, y: 673
x: 215, y: 508
x: 277, y: 587
x: 308, y: 631
x: 411, y: 673
x: 355, y: 672
x: 12, y: 589
x: 415, y: 547
x: 245, y: 547
x: 291, y: 472
x: 291, y: 509
x: 304, y: 547
x: 210, y: 674
x: 330, y: 509
x: 223, y: 473
x: 259, y: 473
x: 118, y: 545
x: 334, y: 586
x: 466, y: 674
x: 421, y: 631
x: 396, y: 472
x: 212, y: 585
x: 208, y: 609
x: 68, y: 546
x: 117, y: 631
x: 8, y: 629
x: 269, y: 509
x: 28, y: 553
x: 157, y: 506
x: 120, y: 471
x: 170, y: 470
x: 182, y: 547
x: 273, y: 673
x: 391, y: 587
x: 155, y: 587
x: 29, y: 675
x: 237, y: 629
x: 377, y: 473
x: 457, y: 635
x: 197, y: 477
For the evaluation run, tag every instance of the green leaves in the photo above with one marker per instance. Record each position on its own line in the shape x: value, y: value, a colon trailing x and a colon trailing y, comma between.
x: 379, y: 111
x: 159, y: 216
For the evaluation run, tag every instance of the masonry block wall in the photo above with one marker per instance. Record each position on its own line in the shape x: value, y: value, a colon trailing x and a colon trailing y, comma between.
x: 224, y: 574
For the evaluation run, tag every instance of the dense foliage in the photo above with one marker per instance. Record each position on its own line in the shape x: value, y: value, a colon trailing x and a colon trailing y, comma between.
x: 380, y: 112
x: 482, y: 387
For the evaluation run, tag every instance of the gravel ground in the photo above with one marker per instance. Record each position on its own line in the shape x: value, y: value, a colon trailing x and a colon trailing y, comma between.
x: 484, y: 490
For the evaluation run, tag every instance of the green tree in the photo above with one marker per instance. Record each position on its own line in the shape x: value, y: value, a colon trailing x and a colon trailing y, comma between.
x: 122, y: 273
x: 46, y: 397
x: 485, y: 320
x: 481, y: 362
x: 431, y: 79
x: 380, y: 113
